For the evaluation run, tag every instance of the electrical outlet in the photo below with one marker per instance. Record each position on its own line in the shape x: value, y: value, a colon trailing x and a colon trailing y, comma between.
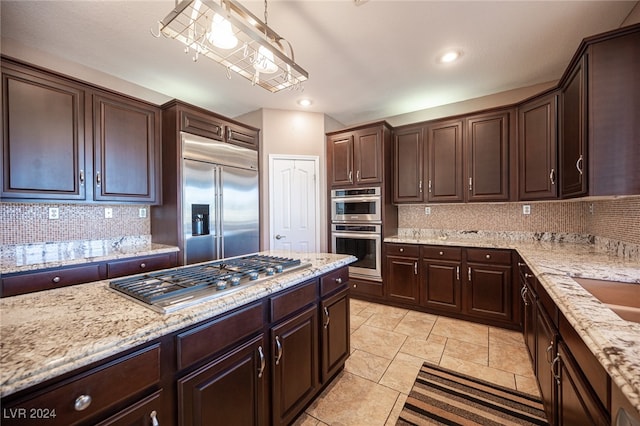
x: 526, y: 209
x: 591, y: 208
x: 108, y: 212
x: 54, y: 213
x: 142, y: 212
x: 427, y: 210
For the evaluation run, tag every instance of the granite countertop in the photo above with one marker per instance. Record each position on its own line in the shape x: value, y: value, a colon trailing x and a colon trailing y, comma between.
x: 48, y: 333
x: 36, y: 256
x: 614, y: 341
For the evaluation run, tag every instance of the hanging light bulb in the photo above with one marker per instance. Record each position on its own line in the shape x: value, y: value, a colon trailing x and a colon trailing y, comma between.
x: 221, y: 33
x: 264, y: 61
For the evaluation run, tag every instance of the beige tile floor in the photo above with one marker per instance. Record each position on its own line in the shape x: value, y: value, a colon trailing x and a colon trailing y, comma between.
x: 388, y: 347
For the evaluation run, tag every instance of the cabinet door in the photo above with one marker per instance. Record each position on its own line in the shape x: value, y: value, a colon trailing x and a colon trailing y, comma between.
x: 441, y: 285
x: 294, y: 345
x: 487, y: 157
x: 529, y: 323
x: 127, y: 149
x: 242, y: 136
x: 487, y: 291
x: 577, y: 404
x: 43, y: 137
x: 401, y: 282
x: 538, y: 170
x: 445, y: 161
x: 546, y: 340
x: 341, y: 156
x: 230, y: 390
x: 573, y: 141
x: 408, y: 164
x: 368, y: 156
x: 335, y: 334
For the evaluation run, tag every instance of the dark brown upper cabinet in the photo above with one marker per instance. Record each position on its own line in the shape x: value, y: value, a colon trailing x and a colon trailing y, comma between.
x: 538, y: 148
x: 127, y: 149
x: 408, y: 165
x: 444, y: 161
x: 486, y: 175
x: 43, y: 135
x: 355, y: 157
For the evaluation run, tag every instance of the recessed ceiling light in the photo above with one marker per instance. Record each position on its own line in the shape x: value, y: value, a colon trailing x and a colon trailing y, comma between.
x: 450, y: 56
x: 304, y: 102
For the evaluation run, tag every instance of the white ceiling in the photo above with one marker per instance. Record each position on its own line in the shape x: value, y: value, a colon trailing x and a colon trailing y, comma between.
x: 365, y: 62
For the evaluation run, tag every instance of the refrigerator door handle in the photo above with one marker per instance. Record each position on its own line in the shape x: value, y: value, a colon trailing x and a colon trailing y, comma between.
x: 220, y: 211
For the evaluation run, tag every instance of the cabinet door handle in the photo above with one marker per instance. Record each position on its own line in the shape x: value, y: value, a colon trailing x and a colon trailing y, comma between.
x: 279, y: 347
x: 358, y: 176
x: 262, y: 362
x: 458, y: 273
x: 579, y: 164
x: 470, y: 184
x: 415, y: 268
x: 527, y: 275
x: 81, y: 177
x: 154, y: 418
x: 469, y: 273
x: 552, y: 176
x: 326, y: 314
x: 82, y: 402
x: 549, y: 352
x: 556, y: 360
x: 522, y: 264
x: 98, y: 179
x: 420, y: 186
x: 429, y: 186
x: 350, y: 176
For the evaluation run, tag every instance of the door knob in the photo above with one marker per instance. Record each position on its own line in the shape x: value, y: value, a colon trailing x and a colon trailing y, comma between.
x: 279, y: 237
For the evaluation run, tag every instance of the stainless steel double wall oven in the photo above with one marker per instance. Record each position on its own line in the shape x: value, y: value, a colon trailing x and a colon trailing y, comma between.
x: 356, y: 229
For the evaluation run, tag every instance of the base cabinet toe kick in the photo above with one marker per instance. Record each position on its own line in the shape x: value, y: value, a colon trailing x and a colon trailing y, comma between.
x: 262, y: 363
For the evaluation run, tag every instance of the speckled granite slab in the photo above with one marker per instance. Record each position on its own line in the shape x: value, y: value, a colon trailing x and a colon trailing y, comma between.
x: 554, y: 260
x: 45, y: 334
x: 31, y: 257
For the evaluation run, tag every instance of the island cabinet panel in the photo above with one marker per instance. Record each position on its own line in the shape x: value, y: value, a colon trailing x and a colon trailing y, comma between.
x: 294, y: 345
x: 335, y: 333
x: 88, y: 395
x: 231, y: 389
x: 127, y: 149
x: 43, y: 135
x: 445, y: 168
x: 538, y: 148
x: 546, y: 336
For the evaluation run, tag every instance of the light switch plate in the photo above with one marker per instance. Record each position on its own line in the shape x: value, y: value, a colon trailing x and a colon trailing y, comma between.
x: 526, y: 209
x: 142, y: 212
x: 54, y: 213
x: 108, y: 212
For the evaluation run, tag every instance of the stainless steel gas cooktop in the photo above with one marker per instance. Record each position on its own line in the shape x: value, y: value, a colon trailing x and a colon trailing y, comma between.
x: 169, y: 290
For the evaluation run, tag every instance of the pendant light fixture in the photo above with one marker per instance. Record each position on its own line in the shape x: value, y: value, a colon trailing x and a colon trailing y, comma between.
x: 226, y: 32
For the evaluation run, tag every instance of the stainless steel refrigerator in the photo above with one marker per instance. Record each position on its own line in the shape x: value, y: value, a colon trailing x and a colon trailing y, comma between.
x: 220, y: 199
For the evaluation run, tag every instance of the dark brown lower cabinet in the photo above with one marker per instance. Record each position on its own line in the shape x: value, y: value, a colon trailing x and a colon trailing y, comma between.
x: 577, y: 403
x: 441, y: 279
x: 230, y: 389
x: 402, y: 264
x: 546, y: 351
x: 294, y: 344
x: 487, y: 291
x: 335, y: 333
x: 143, y: 413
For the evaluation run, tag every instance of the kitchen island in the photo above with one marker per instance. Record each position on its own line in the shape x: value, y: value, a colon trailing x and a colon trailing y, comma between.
x: 555, y: 261
x: 52, y: 334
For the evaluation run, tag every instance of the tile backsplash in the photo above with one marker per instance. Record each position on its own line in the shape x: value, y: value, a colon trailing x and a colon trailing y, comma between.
x: 24, y: 223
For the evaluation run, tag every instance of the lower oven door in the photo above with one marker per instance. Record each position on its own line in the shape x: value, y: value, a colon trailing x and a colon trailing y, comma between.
x: 366, y: 246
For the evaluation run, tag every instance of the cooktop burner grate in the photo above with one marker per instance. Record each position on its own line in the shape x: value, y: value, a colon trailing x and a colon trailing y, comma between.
x: 168, y: 290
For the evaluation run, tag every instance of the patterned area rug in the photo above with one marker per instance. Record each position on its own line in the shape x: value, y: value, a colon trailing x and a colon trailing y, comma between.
x: 444, y: 397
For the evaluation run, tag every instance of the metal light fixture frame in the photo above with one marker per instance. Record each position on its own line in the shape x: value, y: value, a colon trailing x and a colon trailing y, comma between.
x: 190, y: 23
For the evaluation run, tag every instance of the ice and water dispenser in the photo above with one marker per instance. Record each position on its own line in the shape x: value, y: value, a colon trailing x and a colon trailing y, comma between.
x: 199, y: 219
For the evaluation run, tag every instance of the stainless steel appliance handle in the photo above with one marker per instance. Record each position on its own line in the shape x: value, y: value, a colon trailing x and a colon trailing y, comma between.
x: 279, y: 347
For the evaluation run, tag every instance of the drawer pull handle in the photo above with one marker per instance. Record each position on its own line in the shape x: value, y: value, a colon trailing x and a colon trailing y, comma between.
x: 488, y: 256
x: 339, y: 280
x: 401, y: 250
x: 56, y: 279
x: 522, y: 264
x: 143, y: 265
x: 82, y: 402
x: 279, y: 347
x: 441, y: 253
x: 262, y: 362
x: 526, y: 275
x: 154, y: 418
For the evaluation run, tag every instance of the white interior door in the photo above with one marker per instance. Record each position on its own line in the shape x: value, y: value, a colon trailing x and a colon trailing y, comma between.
x: 294, y: 203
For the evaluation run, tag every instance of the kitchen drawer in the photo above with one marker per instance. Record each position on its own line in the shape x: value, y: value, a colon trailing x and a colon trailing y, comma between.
x: 547, y: 303
x: 293, y: 300
x: 53, y: 278
x: 501, y: 257
x: 441, y: 252
x: 408, y: 250
x: 140, y: 413
x: 92, y: 393
x: 139, y: 265
x: 210, y: 338
x: 334, y: 280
